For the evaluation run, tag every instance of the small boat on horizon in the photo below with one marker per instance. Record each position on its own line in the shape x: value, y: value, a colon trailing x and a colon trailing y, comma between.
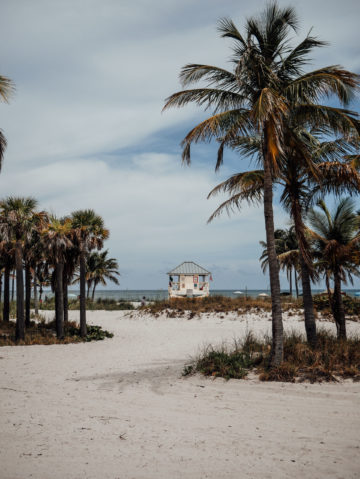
x: 238, y: 292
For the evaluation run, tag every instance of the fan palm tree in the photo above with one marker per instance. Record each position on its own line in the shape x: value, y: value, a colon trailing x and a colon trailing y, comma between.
x: 335, y: 239
x: 100, y: 268
x: 56, y: 241
x: 89, y: 233
x: 7, y: 88
x: 287, y: 250
x: 266, y: 84
x: 19, y: 218
x: 301, y: 183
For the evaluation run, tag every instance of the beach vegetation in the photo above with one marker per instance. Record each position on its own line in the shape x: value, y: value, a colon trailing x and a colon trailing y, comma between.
x: 329, y: 361
x: 269, y: 95
x: 42, y: 332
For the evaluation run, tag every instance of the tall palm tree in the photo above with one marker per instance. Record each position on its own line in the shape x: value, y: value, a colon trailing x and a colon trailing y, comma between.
x: 301, y: 183
x: 57, y: 240
x: 335, y: 239
x: 89, y: 234
x: 19, y: 218
x: 266, y: 84
x: 100, y: 268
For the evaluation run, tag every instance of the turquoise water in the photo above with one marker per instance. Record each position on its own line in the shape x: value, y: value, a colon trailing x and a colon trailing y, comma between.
x: 137, y: 294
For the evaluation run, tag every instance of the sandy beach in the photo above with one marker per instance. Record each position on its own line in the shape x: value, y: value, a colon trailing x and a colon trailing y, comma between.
x: 119, y: 408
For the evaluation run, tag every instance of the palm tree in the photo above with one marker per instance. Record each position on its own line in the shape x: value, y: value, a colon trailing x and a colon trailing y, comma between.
x: 7, y: 88
x: 57, y: 240
x: 267, y: 83
x: 287, y: 250
x: 301, y: 182
x: 335, y: 239
x: 19, y: 218
x: 89, y: 233
x: 100, y: 268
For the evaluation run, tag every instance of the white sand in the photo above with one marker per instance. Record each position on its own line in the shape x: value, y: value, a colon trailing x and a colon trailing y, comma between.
x: 119, y: 408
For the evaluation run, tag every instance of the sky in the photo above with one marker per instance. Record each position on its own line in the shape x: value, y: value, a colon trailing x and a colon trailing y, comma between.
x: 85, y: 128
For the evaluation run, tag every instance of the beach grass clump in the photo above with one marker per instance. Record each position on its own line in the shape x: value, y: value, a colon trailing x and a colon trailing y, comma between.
x: 42, y: 332
x: 330, y: 360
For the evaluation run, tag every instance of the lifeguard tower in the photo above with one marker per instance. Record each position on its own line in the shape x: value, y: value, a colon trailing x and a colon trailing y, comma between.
x: 188, y: 280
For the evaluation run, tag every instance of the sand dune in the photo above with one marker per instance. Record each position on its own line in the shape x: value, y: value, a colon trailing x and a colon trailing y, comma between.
x: 119, y: 408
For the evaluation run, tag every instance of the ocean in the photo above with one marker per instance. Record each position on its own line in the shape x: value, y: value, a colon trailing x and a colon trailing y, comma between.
x: 158, y: 294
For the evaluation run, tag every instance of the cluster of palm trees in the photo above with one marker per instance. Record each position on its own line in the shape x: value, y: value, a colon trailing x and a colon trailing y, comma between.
x: 50, y: 251
x: 268, y: 108
x: 333, y: 239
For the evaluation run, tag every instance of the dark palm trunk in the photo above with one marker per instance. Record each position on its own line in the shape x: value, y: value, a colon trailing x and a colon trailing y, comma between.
x: 59, y: 268
x: 83, y: 329
x: 309, y: 316
x: 20, y: 318
x: 338, y: 307
x: 93, y: 292
x: 6, y: 308
x: 36, y: 300
x: 88, y: 289
x: 13, y: 286
x: 277, y: 350
x: 66, y: 299
x: 1, y: 282
x: 27, y: 295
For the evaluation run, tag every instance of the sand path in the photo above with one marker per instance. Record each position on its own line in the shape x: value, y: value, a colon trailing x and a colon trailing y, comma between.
x: 119, y: 408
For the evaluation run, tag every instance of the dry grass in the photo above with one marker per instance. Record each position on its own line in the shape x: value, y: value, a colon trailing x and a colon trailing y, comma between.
x: 175, y: 307
x: 329, y: 361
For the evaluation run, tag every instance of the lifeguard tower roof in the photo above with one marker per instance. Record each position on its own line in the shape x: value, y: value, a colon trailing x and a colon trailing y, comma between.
x: 188, y: 267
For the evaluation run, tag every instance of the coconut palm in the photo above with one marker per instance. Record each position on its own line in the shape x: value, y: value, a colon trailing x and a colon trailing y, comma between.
x: 57, y: 240
x: 6, y: 90
x: 89, y: 234
x: 19, y: 218
x: 266, y: 84
x: 335, y: 239
x: 100, y: 268
x: 301, y: 183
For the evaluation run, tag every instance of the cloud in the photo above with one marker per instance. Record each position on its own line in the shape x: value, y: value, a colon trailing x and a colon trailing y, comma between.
x: 85, y: 128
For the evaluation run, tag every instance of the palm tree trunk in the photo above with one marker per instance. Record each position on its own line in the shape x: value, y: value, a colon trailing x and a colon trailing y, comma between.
x: 1, y: 282
x: 296, y: 284
x: 277, y: 350
x: 59, y: 301
x: 20, y: 318
x: 66, y: 298
x: 83, y: 329
x: 36, y: 301
x: 13, y: 286
x: 338, y: 307
x: 88, y: 289
x: 6, y: 308
x: 27, y: 294
x: 93, y: 292
x: 309, y: 316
